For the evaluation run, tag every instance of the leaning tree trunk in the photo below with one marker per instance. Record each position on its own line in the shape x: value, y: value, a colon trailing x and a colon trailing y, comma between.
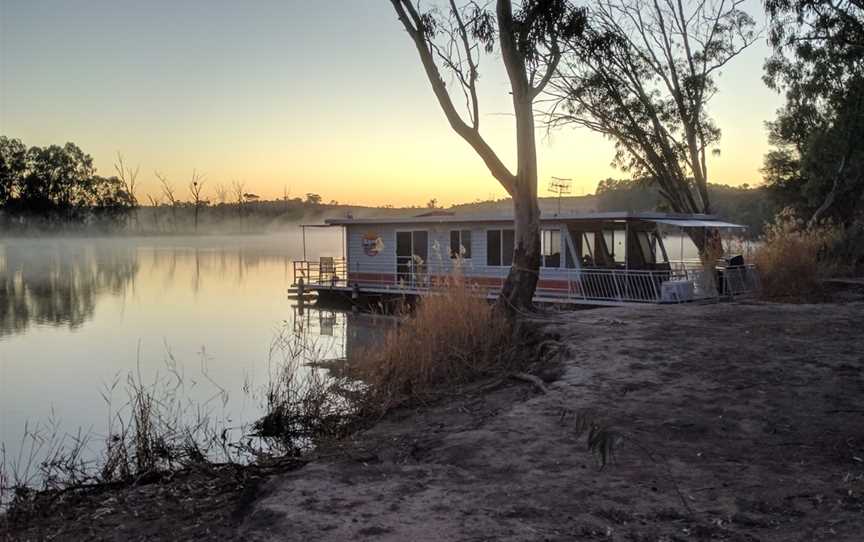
x: 517, y: 293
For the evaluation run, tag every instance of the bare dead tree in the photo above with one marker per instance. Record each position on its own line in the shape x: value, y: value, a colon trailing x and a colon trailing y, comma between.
x: 238, y: 188
x: 530, y: 45
x: 642, y: 74
x: 170, y: 196
x: 196, y: 186
x: 221, y: 193
x: 155, y: 203
x: 128, y: 178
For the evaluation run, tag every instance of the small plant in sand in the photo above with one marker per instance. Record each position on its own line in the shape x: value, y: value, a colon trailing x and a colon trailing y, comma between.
x: 452, y: 337
x: 794, y: 256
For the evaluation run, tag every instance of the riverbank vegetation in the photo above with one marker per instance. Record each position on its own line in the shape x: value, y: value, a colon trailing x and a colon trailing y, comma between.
x: 452, y: 337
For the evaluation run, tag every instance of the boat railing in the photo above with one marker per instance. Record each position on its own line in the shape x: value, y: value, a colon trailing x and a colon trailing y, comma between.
x: 324, y: 271
x: 682, y: 281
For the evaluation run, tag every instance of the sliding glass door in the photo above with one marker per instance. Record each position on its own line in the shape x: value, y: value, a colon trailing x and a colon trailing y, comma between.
x: 412, y: 253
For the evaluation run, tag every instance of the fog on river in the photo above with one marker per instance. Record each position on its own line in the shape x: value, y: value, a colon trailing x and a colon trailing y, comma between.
x: 78, y: 315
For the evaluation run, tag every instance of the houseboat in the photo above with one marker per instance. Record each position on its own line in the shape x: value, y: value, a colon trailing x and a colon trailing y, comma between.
x: 601, y: 258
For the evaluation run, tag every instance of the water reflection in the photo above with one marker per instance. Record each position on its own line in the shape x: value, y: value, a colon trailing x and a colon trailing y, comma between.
x: 76, y: 315
x: 60, y: 283
x: 352, y: 331
x: 57, y: 284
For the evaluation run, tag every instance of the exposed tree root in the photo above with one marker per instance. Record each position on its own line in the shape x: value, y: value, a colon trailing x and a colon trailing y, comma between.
x: 531, y: 379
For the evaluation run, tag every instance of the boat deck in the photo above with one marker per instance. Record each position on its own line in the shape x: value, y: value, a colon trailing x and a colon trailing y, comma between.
x: 682, y: 282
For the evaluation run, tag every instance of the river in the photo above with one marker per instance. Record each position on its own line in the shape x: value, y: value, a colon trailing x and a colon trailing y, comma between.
x: 77, y: 316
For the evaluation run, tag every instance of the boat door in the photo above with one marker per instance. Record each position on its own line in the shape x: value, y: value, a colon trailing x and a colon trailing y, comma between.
x: 412, y: 254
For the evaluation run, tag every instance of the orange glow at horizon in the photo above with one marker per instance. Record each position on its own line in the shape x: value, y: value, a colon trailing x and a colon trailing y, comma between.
x: 297, y: 96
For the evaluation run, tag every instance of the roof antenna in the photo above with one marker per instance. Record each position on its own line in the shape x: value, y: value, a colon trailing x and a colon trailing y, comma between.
x: 560, y: 186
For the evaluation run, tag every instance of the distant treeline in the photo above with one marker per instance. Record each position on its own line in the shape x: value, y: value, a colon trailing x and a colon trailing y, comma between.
x: 752, y: 207
x: 56, y: 188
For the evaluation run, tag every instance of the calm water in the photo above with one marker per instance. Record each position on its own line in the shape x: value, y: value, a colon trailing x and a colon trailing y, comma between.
x: 77, y: 315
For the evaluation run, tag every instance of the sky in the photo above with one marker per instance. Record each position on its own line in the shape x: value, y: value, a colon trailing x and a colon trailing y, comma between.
x: 323, y: 96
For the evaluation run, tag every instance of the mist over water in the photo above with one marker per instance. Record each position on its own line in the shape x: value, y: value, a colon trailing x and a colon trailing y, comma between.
x: 78, y: 315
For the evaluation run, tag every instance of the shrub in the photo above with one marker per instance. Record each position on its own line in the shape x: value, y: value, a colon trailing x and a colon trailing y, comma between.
x: 453, y: 336
x: 793, y: 257
x: 847, y: 248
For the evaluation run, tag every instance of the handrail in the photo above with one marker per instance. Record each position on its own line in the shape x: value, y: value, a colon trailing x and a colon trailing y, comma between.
x: 585, y: 284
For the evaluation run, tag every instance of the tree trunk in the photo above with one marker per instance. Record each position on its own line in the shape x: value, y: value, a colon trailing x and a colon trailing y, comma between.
x: 831, y: 196
x: 708, y: 243
x: 517, y: 294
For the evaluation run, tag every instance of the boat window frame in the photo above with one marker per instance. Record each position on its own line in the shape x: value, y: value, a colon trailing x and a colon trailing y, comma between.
x: 459, y: 253
x: 502, y: 234
x: 544, y: 246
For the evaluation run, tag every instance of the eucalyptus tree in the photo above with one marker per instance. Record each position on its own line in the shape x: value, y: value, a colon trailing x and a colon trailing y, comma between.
x: 817, y: 165
x: 642, y: 74
x: 530, y: 38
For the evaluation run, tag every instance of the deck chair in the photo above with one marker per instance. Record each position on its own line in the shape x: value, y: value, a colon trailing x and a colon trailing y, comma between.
x: 326, y: 269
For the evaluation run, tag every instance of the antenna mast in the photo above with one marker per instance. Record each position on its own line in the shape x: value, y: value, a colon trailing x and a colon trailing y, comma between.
x: 560, y: 186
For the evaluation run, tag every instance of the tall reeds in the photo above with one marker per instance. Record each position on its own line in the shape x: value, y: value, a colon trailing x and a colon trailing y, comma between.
x: 453, y: 336
x: 794, y: 257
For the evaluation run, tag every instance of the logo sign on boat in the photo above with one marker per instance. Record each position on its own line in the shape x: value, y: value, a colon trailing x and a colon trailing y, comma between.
x: 372, y: 243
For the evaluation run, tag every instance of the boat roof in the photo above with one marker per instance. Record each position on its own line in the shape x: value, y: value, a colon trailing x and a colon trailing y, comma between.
x: 673, y: 219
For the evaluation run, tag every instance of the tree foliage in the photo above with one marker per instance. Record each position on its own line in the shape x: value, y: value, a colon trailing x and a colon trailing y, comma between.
x: 642, y: 74
x: 817, y: 164
x: 57, y: 183
x: 739, y: 204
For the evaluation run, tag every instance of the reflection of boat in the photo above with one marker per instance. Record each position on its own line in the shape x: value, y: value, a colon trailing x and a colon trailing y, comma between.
x: 351, y: 331
x: 296, y: 293
x: 608, y: 258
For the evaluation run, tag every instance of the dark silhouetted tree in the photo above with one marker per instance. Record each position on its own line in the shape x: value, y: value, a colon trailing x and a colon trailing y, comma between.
x: 642, y: 74
x: 817, y: 165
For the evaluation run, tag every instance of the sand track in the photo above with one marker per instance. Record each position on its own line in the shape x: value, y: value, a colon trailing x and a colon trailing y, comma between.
x: 751, y: 414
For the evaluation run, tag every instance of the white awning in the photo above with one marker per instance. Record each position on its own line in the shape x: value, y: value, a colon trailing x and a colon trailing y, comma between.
x: 718, y: 224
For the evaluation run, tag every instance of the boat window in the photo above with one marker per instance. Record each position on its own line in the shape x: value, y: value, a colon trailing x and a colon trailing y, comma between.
x: 646, y: 246
x: 587, y: 240
x: 616, y: 244
x: 420, y: 245
x: 619, y: 250
x: 403, y: 244
x: 499, y: 247
x: 508, y: 242
x: 412, y: 251
x: 571, y: 250
x: 550, y: 248
x: 460, y: 244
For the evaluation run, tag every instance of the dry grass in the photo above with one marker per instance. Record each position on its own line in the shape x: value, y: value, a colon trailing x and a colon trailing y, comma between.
x: 794, y: 257
x: 452, y: 337
x: 303, y: 403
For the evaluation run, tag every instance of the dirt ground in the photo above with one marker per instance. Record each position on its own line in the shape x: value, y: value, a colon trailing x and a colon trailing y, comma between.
x: 731, y: 422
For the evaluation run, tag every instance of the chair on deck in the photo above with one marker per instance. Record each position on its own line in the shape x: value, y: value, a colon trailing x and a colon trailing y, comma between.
x: 326, y: 269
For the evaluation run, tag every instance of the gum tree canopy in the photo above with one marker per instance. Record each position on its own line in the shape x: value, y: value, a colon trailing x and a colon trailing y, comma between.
x: 642, y: 74
x: 817, y: 166
x: 530, y: 36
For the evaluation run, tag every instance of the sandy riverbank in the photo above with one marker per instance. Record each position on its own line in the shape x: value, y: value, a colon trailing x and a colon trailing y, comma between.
x: 738, y: 422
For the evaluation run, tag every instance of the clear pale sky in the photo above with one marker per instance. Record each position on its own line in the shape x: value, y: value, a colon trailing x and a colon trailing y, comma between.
x: 324, y: 96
